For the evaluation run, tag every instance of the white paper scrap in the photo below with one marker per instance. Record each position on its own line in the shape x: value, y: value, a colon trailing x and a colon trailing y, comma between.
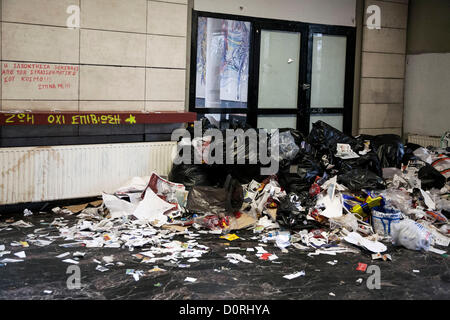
x: 70, y: 261
x: 189, y: 279
x: 294, y: 275
x: 20, y: 254
x: 438, y: 251
x: 7, y: 260
x: 101, y: 268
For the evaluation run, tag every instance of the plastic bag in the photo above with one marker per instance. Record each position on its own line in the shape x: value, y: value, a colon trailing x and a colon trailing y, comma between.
x: 347, y: 221
x: 384, y: 218
x: 430, y: 178
x: 398, y: 199
x: 423, y: 154
x: 411, y: 235
x: 190, y: 175
x: 290, y: 214
x: 324, y: 138
x: 442, y: 164
x: 217, y: 201
x: 409, y: 152
x: 390, y: 150
x: 368, y: 161
x: 288, y: 147
x: 300, y: 175
x: 358, y: 179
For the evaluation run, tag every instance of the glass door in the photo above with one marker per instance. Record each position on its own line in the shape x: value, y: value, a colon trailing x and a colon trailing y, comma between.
x: 279, y: 68
x: 330, y: 76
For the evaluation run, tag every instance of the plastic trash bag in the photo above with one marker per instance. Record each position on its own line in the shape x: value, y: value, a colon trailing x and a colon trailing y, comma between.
x: 288, y: 147
x: 190, y: 175
x: 368, y: 161
x: 423, y: 154
x: 291, y: 216
x: 431, y: 178
x: 399, y: 199
x: 300, y: 175
x: 442, y: 164
x: 409, y: 152
x: 390, y: 150
x: 347, y: 221
x: 244, y: 173
x: 324, y: 138
x: 411, y: 235
x: 216, y: 201
x: 358, y: 179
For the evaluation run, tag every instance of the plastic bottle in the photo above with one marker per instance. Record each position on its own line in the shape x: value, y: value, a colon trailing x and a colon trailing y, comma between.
x: 411, y: 235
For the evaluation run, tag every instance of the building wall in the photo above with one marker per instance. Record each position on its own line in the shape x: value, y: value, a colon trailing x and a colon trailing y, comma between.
x: 127, y: 55
x: 332, y: 12
x: 383, y: 70
x: 427, y: 96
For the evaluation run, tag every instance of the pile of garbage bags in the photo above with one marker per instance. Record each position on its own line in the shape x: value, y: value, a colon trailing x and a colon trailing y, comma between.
x: 332, y: 192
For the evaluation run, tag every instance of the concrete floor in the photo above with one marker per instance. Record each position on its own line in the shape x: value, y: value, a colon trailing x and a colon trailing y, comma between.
x: 262, y: 280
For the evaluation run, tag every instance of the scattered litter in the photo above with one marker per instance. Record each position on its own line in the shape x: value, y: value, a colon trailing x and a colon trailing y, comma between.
x: 135, y: 273
x: 385, y: 257
x: 108, y: 259
x: 230, y: 237
x: 2, y: 253
x: 416, y: 271
x: 357, y: 239
x: 27, y: 213
x: 189, y: 279
x: 22, y: 224
x: 331, y: 187
x: 156, y: 269
x: 70, y: 261
x: 79, y: 254
x: 438, y: 251
x: 361, y: 267
x: 237, y: 257
x: 48, y: 291
x: 101, y: 268
x: 8, y: 260
x: 294, y: 275
x: 20, y: 254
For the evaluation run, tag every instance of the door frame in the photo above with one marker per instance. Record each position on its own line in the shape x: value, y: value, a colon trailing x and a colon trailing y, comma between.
x: 303, y: 110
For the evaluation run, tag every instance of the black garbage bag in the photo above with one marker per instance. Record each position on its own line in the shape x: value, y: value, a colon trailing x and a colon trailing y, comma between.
x: 409, y: 152
x: 191, y: 175
x: 244, y: 172
x: 358, y: 179
x: 290, y: 217
x: 218, y: 201
x: 300, y: 175
x: 368, y: 161
x: 206, y: 124
x: 324, y: 138
x: 390, y: 150
x: 430, y: 177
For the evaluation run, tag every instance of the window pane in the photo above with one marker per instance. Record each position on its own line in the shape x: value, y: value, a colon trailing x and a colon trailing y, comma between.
x: 328, y: 71
x: 277, y: 121
x: 279, y: 69
x: 334, y: 120
x: 222, y: 63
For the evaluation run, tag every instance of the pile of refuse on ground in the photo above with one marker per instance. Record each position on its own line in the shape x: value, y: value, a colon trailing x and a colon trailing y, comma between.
x: 333, y: 193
